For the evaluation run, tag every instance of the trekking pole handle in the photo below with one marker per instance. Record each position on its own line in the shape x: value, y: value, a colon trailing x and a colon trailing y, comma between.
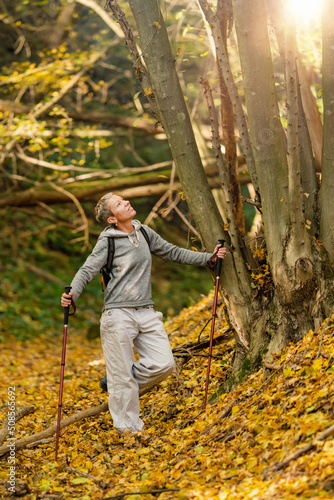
x: 67, y: 309
x: 219, y: 261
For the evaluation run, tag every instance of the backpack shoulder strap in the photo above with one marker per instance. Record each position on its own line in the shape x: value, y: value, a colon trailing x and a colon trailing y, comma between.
x: 144, y: 233
x: 111, y: 253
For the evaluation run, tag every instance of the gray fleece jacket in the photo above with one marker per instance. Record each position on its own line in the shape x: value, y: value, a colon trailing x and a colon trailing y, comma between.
x: 130, y: 284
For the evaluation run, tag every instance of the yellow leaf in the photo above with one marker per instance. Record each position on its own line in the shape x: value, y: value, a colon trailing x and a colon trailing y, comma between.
x: 317, y: 364
x: 288, y: 372
x: 89, y: 465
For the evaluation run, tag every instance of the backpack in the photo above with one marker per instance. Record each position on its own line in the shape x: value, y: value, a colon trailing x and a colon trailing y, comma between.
x: 106, y: 270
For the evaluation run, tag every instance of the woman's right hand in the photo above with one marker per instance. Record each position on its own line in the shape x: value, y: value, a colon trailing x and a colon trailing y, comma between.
x: 66, y: 299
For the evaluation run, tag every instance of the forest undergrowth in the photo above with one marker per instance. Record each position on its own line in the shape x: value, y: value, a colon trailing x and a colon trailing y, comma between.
x: 265, y: 440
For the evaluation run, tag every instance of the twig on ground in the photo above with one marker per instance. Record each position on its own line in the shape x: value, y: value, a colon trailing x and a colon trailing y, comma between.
x: 85, y: 225
x: 152, y: 492
x: 293, y: 456
x: 271, y: 366
x: 100, y: 482
x: 223, y: 414
x: 190, y: 420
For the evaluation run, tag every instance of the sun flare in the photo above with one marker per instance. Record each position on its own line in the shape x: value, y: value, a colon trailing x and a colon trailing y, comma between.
x: 304, y: 10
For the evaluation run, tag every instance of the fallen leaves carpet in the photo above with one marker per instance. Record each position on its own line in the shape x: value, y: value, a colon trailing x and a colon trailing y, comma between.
x: 264, y: 440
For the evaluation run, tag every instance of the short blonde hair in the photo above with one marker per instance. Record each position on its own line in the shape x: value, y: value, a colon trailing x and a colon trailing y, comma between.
x: 102, y: 210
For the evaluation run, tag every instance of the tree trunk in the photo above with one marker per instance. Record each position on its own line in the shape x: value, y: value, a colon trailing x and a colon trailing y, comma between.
x: 224, y: 67
x: 310, y: 184
x: 227, y: 120
x: 176, y: 122
x: 295, y: 261
x: 308, y: 101
x: 265, y: 127
x: 327, y: 182
x: 175, y: 118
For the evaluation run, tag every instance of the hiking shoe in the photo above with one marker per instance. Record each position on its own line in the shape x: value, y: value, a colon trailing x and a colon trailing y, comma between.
x: 103, y: 384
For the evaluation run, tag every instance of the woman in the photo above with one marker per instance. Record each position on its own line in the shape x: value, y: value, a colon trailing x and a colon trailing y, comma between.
x: 128, y: 316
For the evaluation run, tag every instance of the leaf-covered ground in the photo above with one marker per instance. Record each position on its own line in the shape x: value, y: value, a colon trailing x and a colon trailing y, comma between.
x: 216, y: 454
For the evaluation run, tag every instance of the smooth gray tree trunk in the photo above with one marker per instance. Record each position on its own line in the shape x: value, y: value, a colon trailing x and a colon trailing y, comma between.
x: 327, y: 182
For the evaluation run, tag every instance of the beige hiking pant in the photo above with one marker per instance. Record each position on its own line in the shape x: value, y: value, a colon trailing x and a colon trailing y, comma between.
x: 120, y: 330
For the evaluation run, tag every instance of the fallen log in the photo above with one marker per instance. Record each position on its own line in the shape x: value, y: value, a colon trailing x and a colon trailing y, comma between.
x: 147, y: 125
x: 50, y: 431
x: 92, y: 191
x: 132, y: 185
x: 20, y: 413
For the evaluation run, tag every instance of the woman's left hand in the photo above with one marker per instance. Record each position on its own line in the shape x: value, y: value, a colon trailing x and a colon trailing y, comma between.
x: 220, y: 252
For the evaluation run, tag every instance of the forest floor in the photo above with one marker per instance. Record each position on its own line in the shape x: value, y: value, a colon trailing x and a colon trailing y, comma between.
x: 264, y: 440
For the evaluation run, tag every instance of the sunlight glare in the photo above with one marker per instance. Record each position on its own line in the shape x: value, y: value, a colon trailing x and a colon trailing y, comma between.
x: 304, y: 10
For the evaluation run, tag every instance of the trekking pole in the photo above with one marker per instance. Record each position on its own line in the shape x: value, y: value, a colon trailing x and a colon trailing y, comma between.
x: 66, y: 315
x: 218, y: 271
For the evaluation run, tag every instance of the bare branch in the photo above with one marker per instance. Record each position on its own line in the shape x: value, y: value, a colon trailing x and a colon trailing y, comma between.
x: 53, y: 166
x: 80, y: 209
x: 40, y: 272
x: 103, y: 15
x: 39, y: 69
